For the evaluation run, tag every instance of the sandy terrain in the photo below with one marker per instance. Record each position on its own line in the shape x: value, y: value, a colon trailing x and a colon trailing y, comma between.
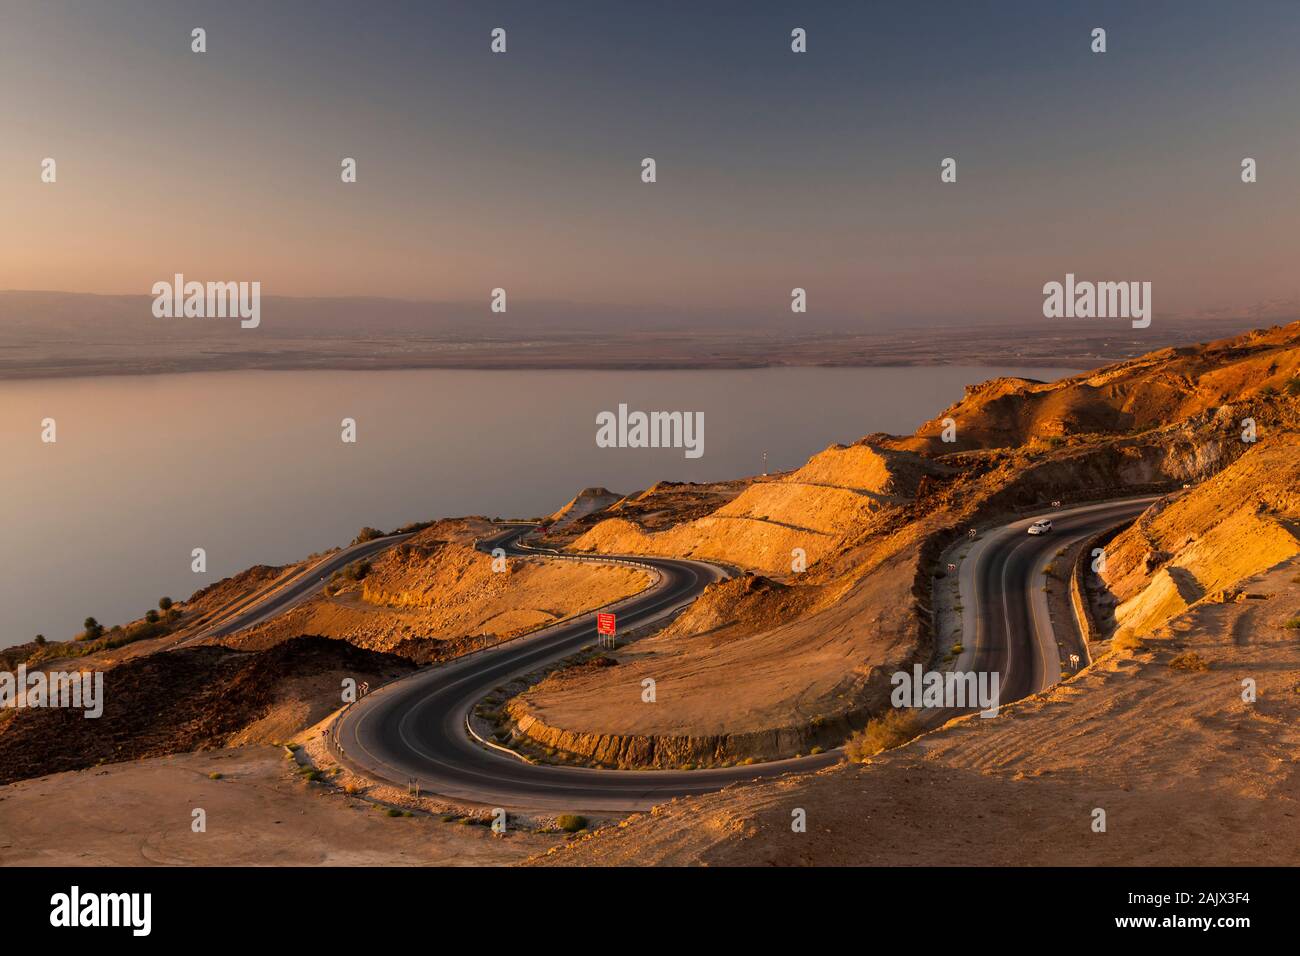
x: 748, y: 690
x: 258, y: 814
x: 451, y: 596
x: 1186, y: 771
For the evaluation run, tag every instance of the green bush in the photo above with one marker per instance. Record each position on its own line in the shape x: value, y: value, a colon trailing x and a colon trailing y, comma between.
x: 571, y: 822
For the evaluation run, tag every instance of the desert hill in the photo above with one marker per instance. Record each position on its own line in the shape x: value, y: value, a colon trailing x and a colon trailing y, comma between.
x: 1240, y: 522
x: 1154, y: 390
x: 435, y: 596
x: 803, y: 664
x: 836, y: 496
x: 587, y: 501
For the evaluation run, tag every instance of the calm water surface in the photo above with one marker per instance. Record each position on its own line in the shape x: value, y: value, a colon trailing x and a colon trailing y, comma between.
x: 250, y: 466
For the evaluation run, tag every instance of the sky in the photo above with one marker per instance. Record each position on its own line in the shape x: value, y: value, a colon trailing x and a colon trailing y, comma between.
x: 522, y: 170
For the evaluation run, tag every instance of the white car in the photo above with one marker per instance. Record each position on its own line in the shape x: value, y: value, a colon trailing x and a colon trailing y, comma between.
x: 1041, y: 526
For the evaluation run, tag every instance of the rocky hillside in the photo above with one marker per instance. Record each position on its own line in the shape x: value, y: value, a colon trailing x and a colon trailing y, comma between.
x: 1241, y: 521
x: 838, y: 495
x: 189, y: 699
x: 436, y: 596
x: 1153, y: 391
x: 803, y: 657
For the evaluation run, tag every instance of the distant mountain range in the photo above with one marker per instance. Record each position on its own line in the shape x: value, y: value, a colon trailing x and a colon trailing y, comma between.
x: 55, y: 334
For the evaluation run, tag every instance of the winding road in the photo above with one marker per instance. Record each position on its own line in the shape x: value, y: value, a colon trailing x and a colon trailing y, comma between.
x: 297, y: 589
x: 415, y: 729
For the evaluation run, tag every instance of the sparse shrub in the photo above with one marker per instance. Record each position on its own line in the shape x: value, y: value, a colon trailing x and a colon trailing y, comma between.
x: 414, y: 526
x: 957, y: 648
x: 214, y: 775
x: 1126, y: 640
x: 151, y: 616
x: 571, y: 822
x: 817, y: 749
x: 1291, y: 625
x: 1293, y: 386
x: 393, y: 812
x: 357, y: 570
x: 40, y: 640
x: 164, y: 604
x: 891, y: 730
x: 367, y: 534
x: 92, y: 630
x: 1050, y: 570
x: 1189, y: 661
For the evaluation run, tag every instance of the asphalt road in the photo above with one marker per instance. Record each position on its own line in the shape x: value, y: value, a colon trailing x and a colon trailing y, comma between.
x: 415, y: 728
x: 307, y: 583
x: 1003, y: 603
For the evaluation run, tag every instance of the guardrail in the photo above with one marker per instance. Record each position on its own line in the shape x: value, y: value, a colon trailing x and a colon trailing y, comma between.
x: 1089, y: 629
x: 487, y: 743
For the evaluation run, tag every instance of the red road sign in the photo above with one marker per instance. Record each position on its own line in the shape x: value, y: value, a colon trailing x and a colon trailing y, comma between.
x: 604, y: 623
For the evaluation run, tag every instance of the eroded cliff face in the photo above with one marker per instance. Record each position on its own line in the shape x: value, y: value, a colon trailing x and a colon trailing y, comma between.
x: 1199, y: 546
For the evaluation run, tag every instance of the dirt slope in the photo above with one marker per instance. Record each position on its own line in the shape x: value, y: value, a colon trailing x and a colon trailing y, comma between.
x: 1148, y: 392
x: 1187, y: 772
x: 436, y: 596
x: 1242, y: 521
x: 837, y: 495
x: 188, y: 699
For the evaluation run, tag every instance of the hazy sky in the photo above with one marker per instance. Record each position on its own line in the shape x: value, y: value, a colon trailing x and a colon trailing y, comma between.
x: 775, y: 169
